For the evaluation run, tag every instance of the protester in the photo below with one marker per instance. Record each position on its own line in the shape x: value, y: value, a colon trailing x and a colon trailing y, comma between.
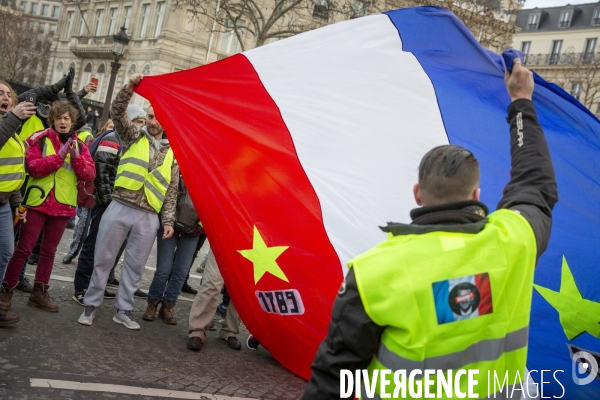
x: 85, y: 203
x: 55, y: 161
x: 90, y: 118
x: 204, y: 308
x: 12, y: 175
x: 146, y: 185
x: 106, y: 152
x: 108, y: 126
x: 496, y: 251
x: 173, y: 258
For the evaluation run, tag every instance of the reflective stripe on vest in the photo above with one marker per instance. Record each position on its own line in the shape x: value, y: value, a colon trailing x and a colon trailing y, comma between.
x: 12, y: 165
x: 133, y: 173
x: 63, y: 181
x: 490, y: 274
x: 32, y: 125
x: 84, y: 136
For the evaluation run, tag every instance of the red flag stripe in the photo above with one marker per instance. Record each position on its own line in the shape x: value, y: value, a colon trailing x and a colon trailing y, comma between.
x: 239, y: 161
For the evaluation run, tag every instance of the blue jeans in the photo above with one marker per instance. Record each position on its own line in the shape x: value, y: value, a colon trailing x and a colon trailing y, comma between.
x: 174, y: 257
x: 7, y: 237
x: 81, y: 230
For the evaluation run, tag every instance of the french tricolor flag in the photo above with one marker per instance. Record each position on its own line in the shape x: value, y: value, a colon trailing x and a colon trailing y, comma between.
x: 297, y: 151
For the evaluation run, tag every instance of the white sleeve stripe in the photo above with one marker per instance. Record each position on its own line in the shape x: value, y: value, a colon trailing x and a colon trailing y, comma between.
x: 107, y: 149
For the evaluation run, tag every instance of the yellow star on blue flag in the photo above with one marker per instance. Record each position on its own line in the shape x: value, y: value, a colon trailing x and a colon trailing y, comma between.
x: 577, y: 315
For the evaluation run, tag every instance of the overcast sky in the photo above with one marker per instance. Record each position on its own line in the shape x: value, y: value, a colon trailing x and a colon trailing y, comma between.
x: 552, y: 3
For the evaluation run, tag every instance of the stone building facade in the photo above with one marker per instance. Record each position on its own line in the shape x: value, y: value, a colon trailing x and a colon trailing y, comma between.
x: 560, y: 44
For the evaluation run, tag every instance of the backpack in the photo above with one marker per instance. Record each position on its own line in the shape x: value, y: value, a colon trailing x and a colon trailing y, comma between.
x: 186, y: 218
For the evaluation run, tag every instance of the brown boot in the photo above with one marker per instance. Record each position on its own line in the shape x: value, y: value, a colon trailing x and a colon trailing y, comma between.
x: 6, y: 293
x: 150, y: 310
x: 39, y: 298
x: 166, y: 312
x: 7, y: 318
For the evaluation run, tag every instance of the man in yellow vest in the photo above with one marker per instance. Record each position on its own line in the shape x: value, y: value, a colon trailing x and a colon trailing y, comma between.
x: 146, y: 185
x: 12, y: 174
x: 449, y: 293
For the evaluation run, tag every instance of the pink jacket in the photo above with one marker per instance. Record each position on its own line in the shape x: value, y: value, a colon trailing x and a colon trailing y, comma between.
x: 39, y: 166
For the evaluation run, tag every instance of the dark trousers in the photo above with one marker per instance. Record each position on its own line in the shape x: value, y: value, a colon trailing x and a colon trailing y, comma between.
x: 85, y: 263
x: 53, y: 228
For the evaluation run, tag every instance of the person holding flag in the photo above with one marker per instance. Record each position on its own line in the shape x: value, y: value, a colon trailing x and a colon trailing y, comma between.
x: 146, y: 184
x: 479, y: 267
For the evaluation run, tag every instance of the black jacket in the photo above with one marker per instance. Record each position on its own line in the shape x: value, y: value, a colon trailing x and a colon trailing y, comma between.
x: 353, y: 337
x: 106, y: 158
x: 48, y: 93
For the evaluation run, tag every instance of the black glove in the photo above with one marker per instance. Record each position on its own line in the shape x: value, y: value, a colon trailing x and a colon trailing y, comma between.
x: 58, y: 86
x: 69, y: 82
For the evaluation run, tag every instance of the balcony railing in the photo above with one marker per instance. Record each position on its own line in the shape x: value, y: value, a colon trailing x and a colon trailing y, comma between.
x: 92, y: 46
x: 561, y: 59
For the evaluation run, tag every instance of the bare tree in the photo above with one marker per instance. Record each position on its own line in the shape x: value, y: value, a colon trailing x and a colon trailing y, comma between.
x: 272, y: 19
x: 492, y: 22
x: 25, y: 50
x: 579, y: 75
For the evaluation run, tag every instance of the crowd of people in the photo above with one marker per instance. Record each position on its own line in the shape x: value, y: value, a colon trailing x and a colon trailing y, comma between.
x: 123, y: 184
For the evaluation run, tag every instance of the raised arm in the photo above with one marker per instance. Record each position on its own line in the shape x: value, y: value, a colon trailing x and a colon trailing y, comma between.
x: 532, y: 189
x: 352, y: 341
x: 127, y: 130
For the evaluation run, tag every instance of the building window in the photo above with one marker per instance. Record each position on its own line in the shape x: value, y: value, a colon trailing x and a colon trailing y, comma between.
x: 52, y: 28
x: 112, y: 20
x: 87, y: 74
x: 45, y: 10
x: 596, y: 17
x: 576, y: 90
x: 34, y: 8
x: 24, y: 6
x: 127, y: 17
x: 144, y: 25
x: 100, y: 72
x: 146, y: 70
x: 555, y: 55
x: 55, y: 11
x: 70, y: 16
x: 58, y: 71
x: 229, y: 41
x: 533, y: 22
x: 82, y: 23
x: 598, y: 109
x: 159, y: 18
x: 525, y: 46
x: 320, y: 9
x: 99, y: 18
x: 565, y: 19
x: 590, y: 47
x: 31, y: 25
x: 42, y: 27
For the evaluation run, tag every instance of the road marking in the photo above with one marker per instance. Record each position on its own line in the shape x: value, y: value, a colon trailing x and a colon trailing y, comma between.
x: 134, y: 390
x: 67, y: 279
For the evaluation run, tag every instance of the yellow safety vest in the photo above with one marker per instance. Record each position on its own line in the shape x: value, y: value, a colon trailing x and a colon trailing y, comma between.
x: 133, y: 172
x: 32, y: 125
x: 63, y: 181
x: 84, y: 136
x: 451, y: 301
x: 12, y: 165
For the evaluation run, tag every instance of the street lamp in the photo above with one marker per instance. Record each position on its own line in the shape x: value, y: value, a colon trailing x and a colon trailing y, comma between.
x: 120, y: 41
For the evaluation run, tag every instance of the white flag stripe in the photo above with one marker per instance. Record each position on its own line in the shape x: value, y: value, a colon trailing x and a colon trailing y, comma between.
x: 363, y: 178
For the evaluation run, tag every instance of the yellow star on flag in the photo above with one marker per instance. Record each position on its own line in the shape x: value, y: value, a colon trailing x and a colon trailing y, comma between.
x: 264, y: 258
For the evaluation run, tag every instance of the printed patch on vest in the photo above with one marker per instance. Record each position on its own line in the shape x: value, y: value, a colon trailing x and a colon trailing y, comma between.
x: 462, y: 298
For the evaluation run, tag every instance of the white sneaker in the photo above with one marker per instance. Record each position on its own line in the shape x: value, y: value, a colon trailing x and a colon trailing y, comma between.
x: 87, y: 317
x: 126, y: 318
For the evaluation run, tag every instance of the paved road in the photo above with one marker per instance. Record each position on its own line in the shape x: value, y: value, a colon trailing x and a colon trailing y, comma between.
x: 51, y: 356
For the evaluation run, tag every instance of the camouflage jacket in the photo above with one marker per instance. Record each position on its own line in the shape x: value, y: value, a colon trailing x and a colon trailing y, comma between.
x: 128, y: 132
